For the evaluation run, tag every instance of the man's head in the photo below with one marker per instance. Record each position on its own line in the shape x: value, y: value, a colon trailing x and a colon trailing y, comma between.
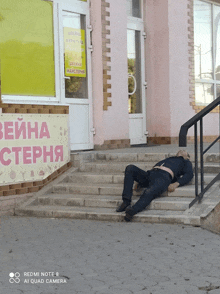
x: 183, y: 153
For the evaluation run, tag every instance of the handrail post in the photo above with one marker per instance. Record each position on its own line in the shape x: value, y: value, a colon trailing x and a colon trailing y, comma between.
x: 183, y: 142
x: 201, y: 155
x: 196, y: 159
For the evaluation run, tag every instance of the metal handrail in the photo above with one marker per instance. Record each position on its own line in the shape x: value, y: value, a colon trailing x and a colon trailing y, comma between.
x: 183, y: 143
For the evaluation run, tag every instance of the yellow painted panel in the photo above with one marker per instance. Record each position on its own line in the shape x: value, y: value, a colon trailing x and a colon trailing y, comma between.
x: 27, y: 48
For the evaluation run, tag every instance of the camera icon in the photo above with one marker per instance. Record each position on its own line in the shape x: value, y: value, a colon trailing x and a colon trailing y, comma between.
x: 14, y: 278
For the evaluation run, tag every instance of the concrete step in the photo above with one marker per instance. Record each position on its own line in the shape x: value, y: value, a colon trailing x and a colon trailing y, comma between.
x: 112, y: 167
x: 140, y: 156
x: 208, y: 177
x: 98, y: 178
x: 109, y: 201
x: 107, y: 214
x: 130, y: 157
x: 111, y: 189
x: 90, y: 189
x: 171, y: 203
x: 211, y: 168
x: 113, y: 178
x: 119, y: 167
x: 94, y: 189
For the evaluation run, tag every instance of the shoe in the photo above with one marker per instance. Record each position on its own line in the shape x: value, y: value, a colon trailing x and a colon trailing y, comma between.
x: 129, y: 213
x: 122, y: 207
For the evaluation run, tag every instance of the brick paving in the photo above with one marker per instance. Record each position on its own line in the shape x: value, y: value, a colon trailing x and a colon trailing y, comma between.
x: 91, y: 257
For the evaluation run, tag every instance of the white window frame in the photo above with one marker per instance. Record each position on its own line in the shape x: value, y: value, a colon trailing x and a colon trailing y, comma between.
x: 49, y: 100
x: 136, y: 23
x: 210, y: 81
x: 82, y: 9
x: 130, y: 18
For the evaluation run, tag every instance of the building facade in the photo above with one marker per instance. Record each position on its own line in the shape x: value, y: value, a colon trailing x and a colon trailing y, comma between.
x: 124, y: 72
x: 154, y: 50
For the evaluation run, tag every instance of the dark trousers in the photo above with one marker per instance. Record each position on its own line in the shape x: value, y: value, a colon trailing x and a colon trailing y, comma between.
x: 155, y: 181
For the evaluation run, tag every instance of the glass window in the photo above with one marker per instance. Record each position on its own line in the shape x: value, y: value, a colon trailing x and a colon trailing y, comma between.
x: 134, y: 8
x: 27, y: 48
x: 217, y: 41
x: 206, y: 51
x: 134, y: 71
x: 203, y: 41
x: 204, y: 93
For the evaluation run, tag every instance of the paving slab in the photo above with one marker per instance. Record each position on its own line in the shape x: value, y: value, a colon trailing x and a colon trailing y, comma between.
x: 104, y: 258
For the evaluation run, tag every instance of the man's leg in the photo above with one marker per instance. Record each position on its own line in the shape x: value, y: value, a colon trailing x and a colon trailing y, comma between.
x: 132, y: 173
x: 160, y: 181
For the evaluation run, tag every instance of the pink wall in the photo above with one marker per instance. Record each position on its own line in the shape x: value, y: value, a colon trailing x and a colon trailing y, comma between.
x: 113, y: 123
x: 97, y: 73
x: 167, y: 71
x: 116, y: 119
x: 157, y: 68
x: 180, y: 108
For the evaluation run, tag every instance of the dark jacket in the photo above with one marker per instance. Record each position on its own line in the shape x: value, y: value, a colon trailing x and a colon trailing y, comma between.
x: 182, y: 169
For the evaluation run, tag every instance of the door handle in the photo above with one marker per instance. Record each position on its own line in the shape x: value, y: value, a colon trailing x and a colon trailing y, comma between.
x: 135, y: 84
x: 65, y: 78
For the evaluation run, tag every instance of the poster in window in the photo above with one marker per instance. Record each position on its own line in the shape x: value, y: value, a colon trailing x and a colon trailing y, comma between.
x: 74, y: 52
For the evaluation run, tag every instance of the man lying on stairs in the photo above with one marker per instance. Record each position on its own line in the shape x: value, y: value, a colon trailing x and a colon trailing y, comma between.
x: 167, y: 174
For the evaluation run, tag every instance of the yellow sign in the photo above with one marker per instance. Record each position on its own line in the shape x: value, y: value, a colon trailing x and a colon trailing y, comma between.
x: 75, y: 52
x: 27, y: 50
x: 32, y: 146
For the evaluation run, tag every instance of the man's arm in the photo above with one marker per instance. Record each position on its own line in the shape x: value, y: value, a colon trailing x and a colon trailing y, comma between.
x: 185, y: 179
x: 187, y: 174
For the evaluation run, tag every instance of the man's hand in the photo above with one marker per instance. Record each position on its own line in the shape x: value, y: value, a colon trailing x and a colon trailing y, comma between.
x: 172, y: 187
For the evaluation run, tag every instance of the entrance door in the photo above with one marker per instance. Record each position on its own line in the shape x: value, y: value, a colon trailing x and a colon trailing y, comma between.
x: 75, y: 61
x: 136, y: 83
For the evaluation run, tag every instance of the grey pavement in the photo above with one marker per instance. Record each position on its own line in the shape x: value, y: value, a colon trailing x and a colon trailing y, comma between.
x: 91, y: 257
